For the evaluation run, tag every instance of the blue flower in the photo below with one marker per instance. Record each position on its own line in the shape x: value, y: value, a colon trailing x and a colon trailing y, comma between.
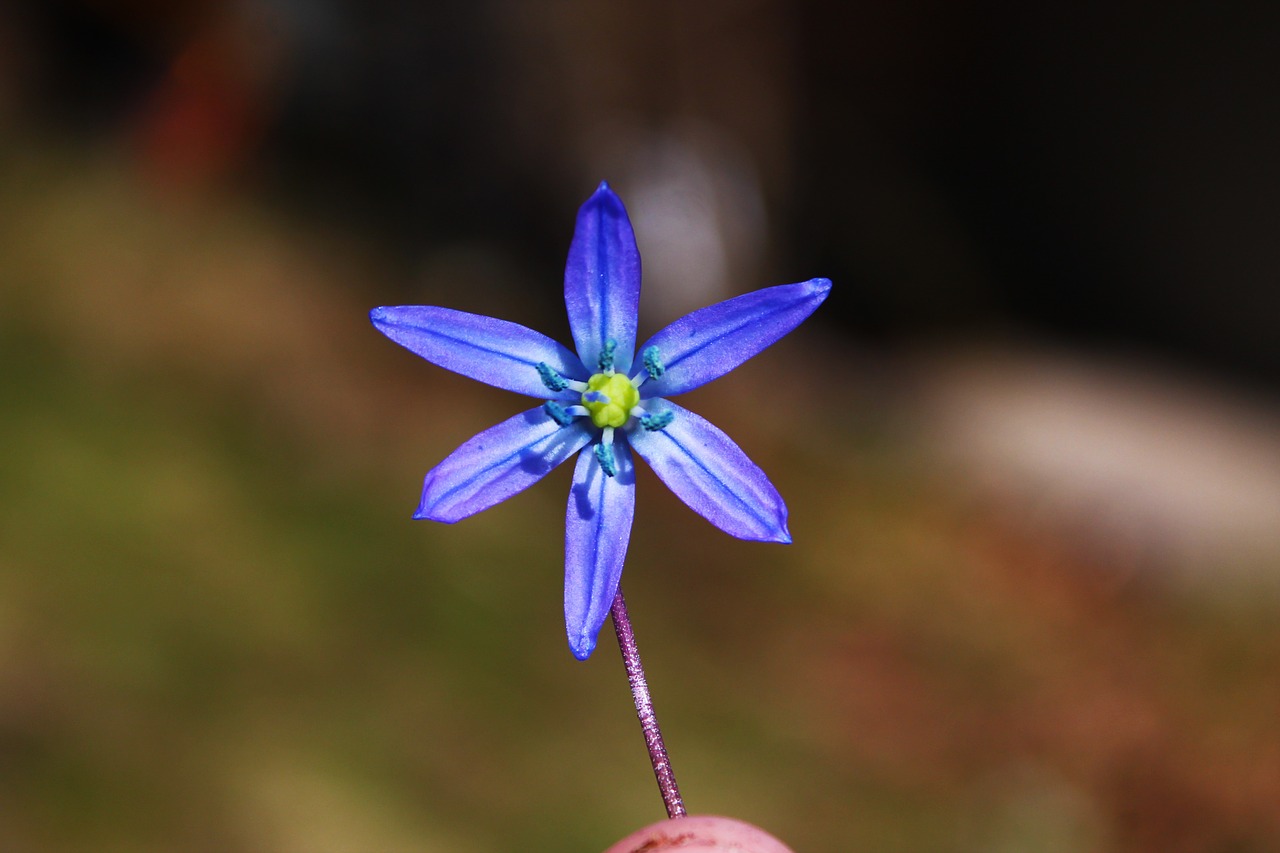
x: 606, y: 398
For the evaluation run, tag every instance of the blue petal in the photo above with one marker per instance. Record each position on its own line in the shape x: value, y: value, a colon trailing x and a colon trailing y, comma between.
x: 602, y: 280
x: 712, y: 341
x: 596, y: 532
x: 498, y: 463
x: 494, y: 351
x: 712, y: 475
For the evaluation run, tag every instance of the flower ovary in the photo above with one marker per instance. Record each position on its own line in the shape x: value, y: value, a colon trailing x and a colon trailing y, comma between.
x: 609, y: 399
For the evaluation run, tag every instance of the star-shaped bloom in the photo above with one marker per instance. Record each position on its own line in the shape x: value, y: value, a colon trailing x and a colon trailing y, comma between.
x: 610, y: 397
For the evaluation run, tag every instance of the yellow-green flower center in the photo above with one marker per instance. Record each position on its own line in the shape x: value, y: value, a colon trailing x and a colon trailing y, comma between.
x: 609, y: 399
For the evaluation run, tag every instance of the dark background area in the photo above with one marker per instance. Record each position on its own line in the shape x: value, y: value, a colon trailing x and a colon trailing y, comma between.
x: 1101, y: 173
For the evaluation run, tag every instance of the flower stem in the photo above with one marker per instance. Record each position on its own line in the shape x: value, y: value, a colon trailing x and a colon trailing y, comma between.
x: 644, y: 709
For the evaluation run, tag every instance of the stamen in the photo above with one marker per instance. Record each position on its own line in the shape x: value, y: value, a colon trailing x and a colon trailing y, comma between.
x: 606, y: 436
x: 556, y: 412
x: 658, y: 421
x: 575, y: 385
x: 604, y: 455
x: 606, y: 356
x: 554, y: 381
x: 653, y: 363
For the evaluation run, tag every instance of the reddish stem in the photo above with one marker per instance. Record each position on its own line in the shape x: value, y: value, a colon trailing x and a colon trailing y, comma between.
x: 644, y: 709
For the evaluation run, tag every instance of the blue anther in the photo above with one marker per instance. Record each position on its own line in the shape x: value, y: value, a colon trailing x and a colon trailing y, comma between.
x: 605, y: 456
x: 556, y: 412
x: 605, y: 361
x: 554, y: 381
x: 658, y: 421
x: 653, y: 363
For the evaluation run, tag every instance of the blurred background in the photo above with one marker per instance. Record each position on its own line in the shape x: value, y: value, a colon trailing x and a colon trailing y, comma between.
x: 1031, y: 444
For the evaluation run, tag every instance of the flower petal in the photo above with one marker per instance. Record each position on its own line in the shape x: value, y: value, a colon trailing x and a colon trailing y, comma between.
x: 596, y: 533
x: 712, y: 341
x: 494, y: 351
x: 712, y: 475
x: 498, y: 463
x: 602, y: 280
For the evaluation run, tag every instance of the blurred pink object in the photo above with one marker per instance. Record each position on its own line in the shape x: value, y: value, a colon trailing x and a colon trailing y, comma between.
x: 702, y: 832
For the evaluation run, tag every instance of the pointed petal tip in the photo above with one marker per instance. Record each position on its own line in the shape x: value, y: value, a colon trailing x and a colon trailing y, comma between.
x: 378, y: 315
x: 604, y: 194
x: 583, y: 648
x: 817, y: 289
x: 427, y: 513
x: 429, y: 504
x: 423, y: 512
x: 781, y: 536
